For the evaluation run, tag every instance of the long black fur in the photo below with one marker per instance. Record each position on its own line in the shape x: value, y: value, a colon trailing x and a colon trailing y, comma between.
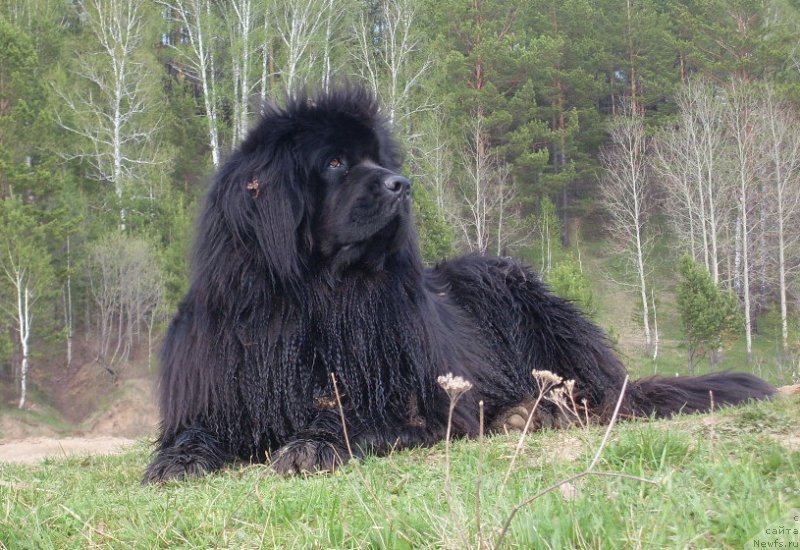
x: 306, y: 264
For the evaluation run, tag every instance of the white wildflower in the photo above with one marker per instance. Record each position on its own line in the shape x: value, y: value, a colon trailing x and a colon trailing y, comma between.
x: 545, y: 378
x: 455, y: 386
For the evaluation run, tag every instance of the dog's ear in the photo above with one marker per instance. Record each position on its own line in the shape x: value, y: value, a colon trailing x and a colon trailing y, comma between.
x: 277, y: 190
x: 253, y: 215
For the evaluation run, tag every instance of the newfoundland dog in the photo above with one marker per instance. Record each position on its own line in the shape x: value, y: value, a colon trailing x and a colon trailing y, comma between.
x: 306, y: 265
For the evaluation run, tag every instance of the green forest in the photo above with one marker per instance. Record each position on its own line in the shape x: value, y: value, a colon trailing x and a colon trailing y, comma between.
x: 659, y: 135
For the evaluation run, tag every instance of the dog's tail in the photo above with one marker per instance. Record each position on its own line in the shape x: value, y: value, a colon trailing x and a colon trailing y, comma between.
x: 664, y: 397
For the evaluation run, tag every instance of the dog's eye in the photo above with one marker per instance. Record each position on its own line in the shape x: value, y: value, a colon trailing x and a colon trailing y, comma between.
x: 335, y: 163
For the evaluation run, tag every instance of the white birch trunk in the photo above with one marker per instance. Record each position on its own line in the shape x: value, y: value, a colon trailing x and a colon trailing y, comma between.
x: 68, y: 321
x: 748, y: 328
x: 655, y: 325
x: 712, y: 229
x: 500, y: 226
x: 737, y: 255
x: 782, y: 288
x: 326, y: 58
x: 648, y: 337
x: 208, y: 77
x: 236, y: 77
x: 265, y: 62
x: 703, y: 222
x: 781, y: 147
x: 740, y: 121
x: 245, y: 25
x: 710, y: 151
x: 24, y: 332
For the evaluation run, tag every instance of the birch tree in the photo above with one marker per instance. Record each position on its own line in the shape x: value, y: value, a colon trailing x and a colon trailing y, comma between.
x: 701, y: 116
x: 243, y: 28
x: 671, y: 164
x: 127, y: 287
x: 626, y: 191
x: 479, y: 201
x: 299, y: 25
x: 198, y: 57
x: 332, y: 22
x: 780, y: 147
x: 431, y: 159
x: 487, y: 214
x: 66, y: 295
x: 689, y: 157
x: 111, y: 112
x: 548, y: 228
x: 390, y: 57
x: 27, y: 277
x: 741, y: 121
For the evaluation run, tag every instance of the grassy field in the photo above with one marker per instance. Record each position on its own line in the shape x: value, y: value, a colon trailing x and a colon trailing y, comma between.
x: 714, y: 481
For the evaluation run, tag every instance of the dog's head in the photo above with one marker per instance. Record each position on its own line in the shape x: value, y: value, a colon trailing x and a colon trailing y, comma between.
x: 315, y: 186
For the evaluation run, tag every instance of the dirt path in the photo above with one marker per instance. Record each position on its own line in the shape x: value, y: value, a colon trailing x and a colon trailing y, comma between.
x: 35, y: 449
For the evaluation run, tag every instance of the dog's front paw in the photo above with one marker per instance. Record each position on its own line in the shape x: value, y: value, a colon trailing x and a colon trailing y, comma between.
x: 174, y: 465
x: 308, y: 455
x: 194, y: 453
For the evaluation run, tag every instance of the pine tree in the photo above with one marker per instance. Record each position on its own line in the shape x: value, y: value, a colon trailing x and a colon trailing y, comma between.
x: 747, y: 39
x: 567, y: 280
x: 710, y: 316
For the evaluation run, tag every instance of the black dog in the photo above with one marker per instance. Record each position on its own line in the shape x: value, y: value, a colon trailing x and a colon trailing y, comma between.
x: 307, y: 264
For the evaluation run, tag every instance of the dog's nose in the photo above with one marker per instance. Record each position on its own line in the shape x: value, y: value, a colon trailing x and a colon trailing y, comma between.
x: 397, y: 184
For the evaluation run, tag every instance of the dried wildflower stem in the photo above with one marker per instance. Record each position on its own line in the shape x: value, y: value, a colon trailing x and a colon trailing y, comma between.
x: 575, y: 409
x: 480, y: 473
x: 341, y: 415
x: 447, y: 434
x: 587, y: 472
x: 454, y: 387
x: 557, y: 398
x: 585, y: 410
x: 447, y: 447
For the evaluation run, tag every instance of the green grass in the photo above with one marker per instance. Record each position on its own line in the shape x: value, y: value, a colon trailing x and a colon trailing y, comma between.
x: 720, y: 479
